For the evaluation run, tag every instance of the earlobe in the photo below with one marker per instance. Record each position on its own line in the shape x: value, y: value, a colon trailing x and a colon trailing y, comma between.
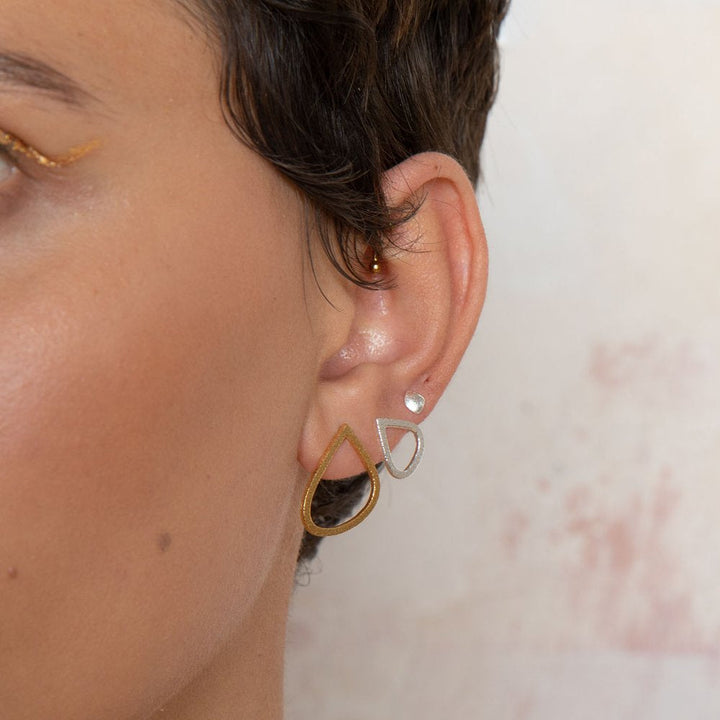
x: 411, y: 336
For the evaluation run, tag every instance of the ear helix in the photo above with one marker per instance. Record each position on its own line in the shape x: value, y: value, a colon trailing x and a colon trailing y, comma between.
x: 415, y: 403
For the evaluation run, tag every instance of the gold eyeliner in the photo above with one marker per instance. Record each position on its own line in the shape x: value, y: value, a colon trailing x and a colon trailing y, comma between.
x: 18, y: 146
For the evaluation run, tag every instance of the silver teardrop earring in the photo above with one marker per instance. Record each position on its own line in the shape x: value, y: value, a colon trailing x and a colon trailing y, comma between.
x: 382, y: 425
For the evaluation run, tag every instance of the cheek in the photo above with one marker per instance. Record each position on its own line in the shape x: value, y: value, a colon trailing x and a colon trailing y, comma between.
x: 146, y: 442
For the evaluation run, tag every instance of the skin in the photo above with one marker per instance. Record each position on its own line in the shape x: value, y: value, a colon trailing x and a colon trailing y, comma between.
x: 170, y: 373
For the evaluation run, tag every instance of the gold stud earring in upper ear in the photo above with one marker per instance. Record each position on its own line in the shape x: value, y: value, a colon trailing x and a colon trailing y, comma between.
x: 375, y: 266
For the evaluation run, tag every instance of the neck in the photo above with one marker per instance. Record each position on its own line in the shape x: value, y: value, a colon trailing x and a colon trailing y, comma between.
x: 245, y: 680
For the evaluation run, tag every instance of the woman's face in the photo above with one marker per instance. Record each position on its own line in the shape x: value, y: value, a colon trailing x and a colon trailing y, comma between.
x: 154, y: 362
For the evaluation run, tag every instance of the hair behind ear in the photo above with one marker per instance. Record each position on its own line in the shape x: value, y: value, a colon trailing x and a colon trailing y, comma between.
x: 387, y: 80
x: 334, y: 502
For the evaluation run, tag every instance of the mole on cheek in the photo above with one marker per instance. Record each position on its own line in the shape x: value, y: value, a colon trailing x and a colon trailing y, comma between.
x: 12, y: 573
x: 164, y: 541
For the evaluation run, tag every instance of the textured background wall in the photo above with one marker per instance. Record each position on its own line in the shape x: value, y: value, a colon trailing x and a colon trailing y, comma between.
x: 558, y: 554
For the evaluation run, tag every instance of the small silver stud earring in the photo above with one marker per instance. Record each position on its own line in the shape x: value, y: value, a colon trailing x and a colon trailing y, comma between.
x: 414, y: 402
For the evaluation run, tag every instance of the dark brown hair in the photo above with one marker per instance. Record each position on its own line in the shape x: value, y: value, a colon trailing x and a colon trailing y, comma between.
x: 335, y: 92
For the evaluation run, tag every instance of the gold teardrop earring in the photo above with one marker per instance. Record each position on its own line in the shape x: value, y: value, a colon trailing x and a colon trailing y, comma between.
x: 344, y: 433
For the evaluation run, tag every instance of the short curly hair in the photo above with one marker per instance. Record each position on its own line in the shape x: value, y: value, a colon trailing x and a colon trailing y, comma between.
x: 335, y: 92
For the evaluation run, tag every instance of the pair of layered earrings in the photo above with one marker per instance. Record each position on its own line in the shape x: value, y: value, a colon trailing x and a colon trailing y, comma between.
x: 415, y: 403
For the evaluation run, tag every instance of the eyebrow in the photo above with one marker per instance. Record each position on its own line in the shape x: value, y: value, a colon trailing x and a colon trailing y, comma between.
x: 23, y: 71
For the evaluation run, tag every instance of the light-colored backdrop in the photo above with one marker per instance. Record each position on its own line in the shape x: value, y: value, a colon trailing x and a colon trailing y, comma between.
x: 558, y: 553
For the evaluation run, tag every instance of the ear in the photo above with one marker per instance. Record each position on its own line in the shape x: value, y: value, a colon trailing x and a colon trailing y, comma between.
x: 412, y: 335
